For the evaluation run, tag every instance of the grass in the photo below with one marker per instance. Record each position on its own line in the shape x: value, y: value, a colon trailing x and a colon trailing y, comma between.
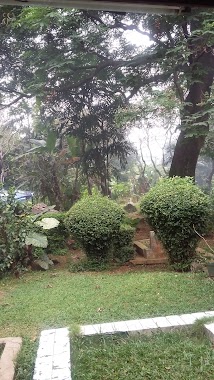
x: 198, y: 327
x: 26, y: 360
x: 164, y: 356
x: 60, y: 298
x: 85, y: 265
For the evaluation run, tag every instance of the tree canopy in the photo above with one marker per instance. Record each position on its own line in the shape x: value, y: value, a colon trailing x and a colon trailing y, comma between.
x: 76, y: 69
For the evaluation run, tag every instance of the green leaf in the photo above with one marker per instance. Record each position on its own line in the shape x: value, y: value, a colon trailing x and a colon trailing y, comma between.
x: 51, y: 141
x: 48, y: 223
x: 73, y: 145
x: 37, y: 240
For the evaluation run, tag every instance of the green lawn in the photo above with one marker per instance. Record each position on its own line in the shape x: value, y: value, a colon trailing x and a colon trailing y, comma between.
x: 26, y: 359
x: 59, y: 298
x: 164, y: 356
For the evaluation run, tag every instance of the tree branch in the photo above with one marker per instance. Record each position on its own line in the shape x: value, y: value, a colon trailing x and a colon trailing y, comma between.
x: 94, y: 16
x: 136, y: 29
x: 122, y: 63
x: 150, y: 153
x: 2, y: 106
x: 10, y: 91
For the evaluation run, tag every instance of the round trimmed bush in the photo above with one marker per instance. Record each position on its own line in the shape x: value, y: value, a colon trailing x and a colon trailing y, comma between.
x: 175, y: 208
x: 94, y: 222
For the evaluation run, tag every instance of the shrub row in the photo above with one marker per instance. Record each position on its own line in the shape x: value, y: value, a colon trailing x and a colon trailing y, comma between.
x: 175, y: 208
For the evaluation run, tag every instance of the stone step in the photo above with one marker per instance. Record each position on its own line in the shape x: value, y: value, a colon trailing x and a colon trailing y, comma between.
x: 139, y: 260
x: 141, y: 248
x: 150, y: 249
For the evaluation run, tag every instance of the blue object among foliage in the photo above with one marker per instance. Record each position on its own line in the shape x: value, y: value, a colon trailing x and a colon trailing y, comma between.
x: 20, y: 195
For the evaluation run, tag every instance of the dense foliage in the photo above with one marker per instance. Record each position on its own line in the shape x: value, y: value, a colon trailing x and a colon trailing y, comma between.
x: 21, y: 232
x: 176, y: 208
x: 94, y: 222
x: 73, y: 82
x: 14, y: 227
x: 123, y: 243
x: 59, y: 106
x: 56, y: 236
x: 70, y: 72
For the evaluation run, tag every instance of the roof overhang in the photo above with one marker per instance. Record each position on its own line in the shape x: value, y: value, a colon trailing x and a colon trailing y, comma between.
x: 154, y: 6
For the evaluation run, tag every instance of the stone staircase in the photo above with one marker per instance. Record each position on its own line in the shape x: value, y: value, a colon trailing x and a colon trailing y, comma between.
x: 149, y: 251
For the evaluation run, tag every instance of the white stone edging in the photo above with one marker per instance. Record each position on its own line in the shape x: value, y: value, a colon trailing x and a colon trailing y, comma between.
x: 145, y: 326
x: 53, y: 356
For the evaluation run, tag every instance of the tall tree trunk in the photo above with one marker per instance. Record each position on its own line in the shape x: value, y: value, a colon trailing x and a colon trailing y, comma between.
x: 103, y: 184
x: 194, y: 119
x: 186, y: 155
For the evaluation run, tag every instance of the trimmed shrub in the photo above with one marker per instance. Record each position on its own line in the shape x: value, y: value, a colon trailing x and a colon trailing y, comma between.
x: 124, y: 254
x: 175, y: 208
x: 94, y: 222
x: 56, y: 236
x: 123, y: 243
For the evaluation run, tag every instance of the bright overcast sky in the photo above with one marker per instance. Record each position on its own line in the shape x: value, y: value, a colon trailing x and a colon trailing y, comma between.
x: 157, y: 134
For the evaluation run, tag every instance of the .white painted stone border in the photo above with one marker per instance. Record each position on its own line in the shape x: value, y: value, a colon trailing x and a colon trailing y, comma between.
x: 53, y: 356
x: 145, y: 326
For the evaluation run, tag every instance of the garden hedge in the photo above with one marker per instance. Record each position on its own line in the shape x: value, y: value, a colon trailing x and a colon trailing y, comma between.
x: 176, y: 208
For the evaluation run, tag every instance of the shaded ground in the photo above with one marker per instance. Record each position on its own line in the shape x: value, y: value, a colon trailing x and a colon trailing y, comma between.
x: 142, y: 230
x: 209, y: 241
x: 74, y: 256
